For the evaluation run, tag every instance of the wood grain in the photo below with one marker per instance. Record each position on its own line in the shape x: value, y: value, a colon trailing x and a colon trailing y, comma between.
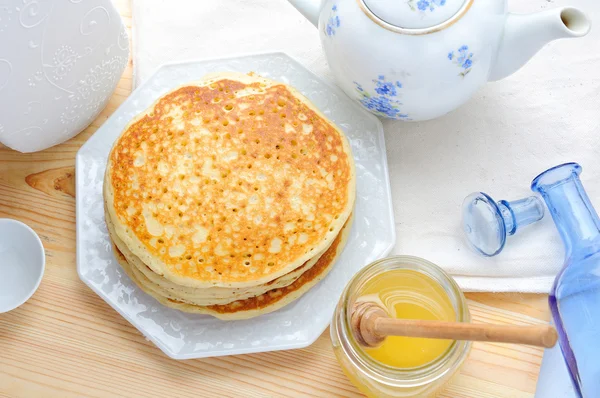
x: 67, y: 342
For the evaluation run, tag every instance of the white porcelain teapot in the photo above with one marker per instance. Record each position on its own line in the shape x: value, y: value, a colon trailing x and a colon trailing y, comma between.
x: 420, y: 59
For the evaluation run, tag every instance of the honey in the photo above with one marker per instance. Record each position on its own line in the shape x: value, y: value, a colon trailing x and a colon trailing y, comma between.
x: 410, y: 294
x: 406, y: 367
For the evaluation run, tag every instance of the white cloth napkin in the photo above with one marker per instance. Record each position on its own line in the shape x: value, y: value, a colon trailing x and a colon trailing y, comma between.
x: 545, y: 114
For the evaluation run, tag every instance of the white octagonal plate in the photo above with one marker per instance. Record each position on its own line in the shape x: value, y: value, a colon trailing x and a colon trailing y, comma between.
x: 185, y: 336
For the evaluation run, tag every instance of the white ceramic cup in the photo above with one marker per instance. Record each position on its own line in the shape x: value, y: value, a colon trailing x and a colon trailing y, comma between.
x: 60, y: 61
x: 22, y: 262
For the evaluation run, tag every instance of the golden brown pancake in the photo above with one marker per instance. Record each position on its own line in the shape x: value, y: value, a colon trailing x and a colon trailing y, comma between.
x: 201, y: 296
x: 232, y: 181
x: 255, y: 306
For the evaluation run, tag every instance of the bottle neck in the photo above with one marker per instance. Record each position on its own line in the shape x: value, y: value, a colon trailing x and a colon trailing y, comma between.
x: 573, y: 213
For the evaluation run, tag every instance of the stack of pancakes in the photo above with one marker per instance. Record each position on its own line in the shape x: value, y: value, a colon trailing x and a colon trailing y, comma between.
x: 231, y: 196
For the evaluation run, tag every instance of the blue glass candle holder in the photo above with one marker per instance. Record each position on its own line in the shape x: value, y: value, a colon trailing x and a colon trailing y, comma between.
x: 487, y: 222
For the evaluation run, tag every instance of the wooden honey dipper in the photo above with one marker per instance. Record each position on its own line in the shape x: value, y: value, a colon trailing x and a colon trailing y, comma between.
x: 371, y: 324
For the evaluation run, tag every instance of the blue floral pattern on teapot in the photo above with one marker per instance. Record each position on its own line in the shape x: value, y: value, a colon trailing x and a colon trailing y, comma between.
x: 384, y: 101
x: 424, y: 5
x: 463, y: 58
x: 333, y: 22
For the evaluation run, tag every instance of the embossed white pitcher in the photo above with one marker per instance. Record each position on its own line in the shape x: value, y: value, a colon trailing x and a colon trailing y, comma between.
x: 420, y: 59
x: 60, y: 61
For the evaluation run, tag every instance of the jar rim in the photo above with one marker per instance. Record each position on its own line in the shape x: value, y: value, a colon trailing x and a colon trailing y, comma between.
x: 408, y: 377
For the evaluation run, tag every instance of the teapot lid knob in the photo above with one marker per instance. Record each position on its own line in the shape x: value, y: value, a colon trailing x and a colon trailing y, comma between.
x: 415, y: 14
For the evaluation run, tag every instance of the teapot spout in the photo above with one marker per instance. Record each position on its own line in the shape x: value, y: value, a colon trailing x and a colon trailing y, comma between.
x: 524, y: 35
x: 309, y: 8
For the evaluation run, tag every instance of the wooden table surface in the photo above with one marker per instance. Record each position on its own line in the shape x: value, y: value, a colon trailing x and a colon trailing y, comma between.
x: 67, y: 342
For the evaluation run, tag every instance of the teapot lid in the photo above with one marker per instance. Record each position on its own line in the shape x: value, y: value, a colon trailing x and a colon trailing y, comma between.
x: 415, y: 14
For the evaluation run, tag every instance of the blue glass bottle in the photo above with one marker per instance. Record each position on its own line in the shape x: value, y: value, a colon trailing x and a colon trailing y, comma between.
x: 575, y: 297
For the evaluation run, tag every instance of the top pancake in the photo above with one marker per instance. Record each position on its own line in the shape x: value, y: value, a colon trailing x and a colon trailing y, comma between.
x: 231, y: 181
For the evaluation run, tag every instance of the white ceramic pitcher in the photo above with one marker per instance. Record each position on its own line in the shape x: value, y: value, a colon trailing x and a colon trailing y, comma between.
x: 60, y: 61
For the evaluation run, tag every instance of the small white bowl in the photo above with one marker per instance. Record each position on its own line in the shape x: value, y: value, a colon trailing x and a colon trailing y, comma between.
x: 22, y: 262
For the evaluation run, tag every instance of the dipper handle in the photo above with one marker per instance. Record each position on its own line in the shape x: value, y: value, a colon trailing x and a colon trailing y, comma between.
x: 371, y: 325
x: 541, y: 336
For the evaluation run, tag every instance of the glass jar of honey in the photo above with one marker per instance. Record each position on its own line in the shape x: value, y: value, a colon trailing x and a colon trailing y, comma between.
x: 410, y: 288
